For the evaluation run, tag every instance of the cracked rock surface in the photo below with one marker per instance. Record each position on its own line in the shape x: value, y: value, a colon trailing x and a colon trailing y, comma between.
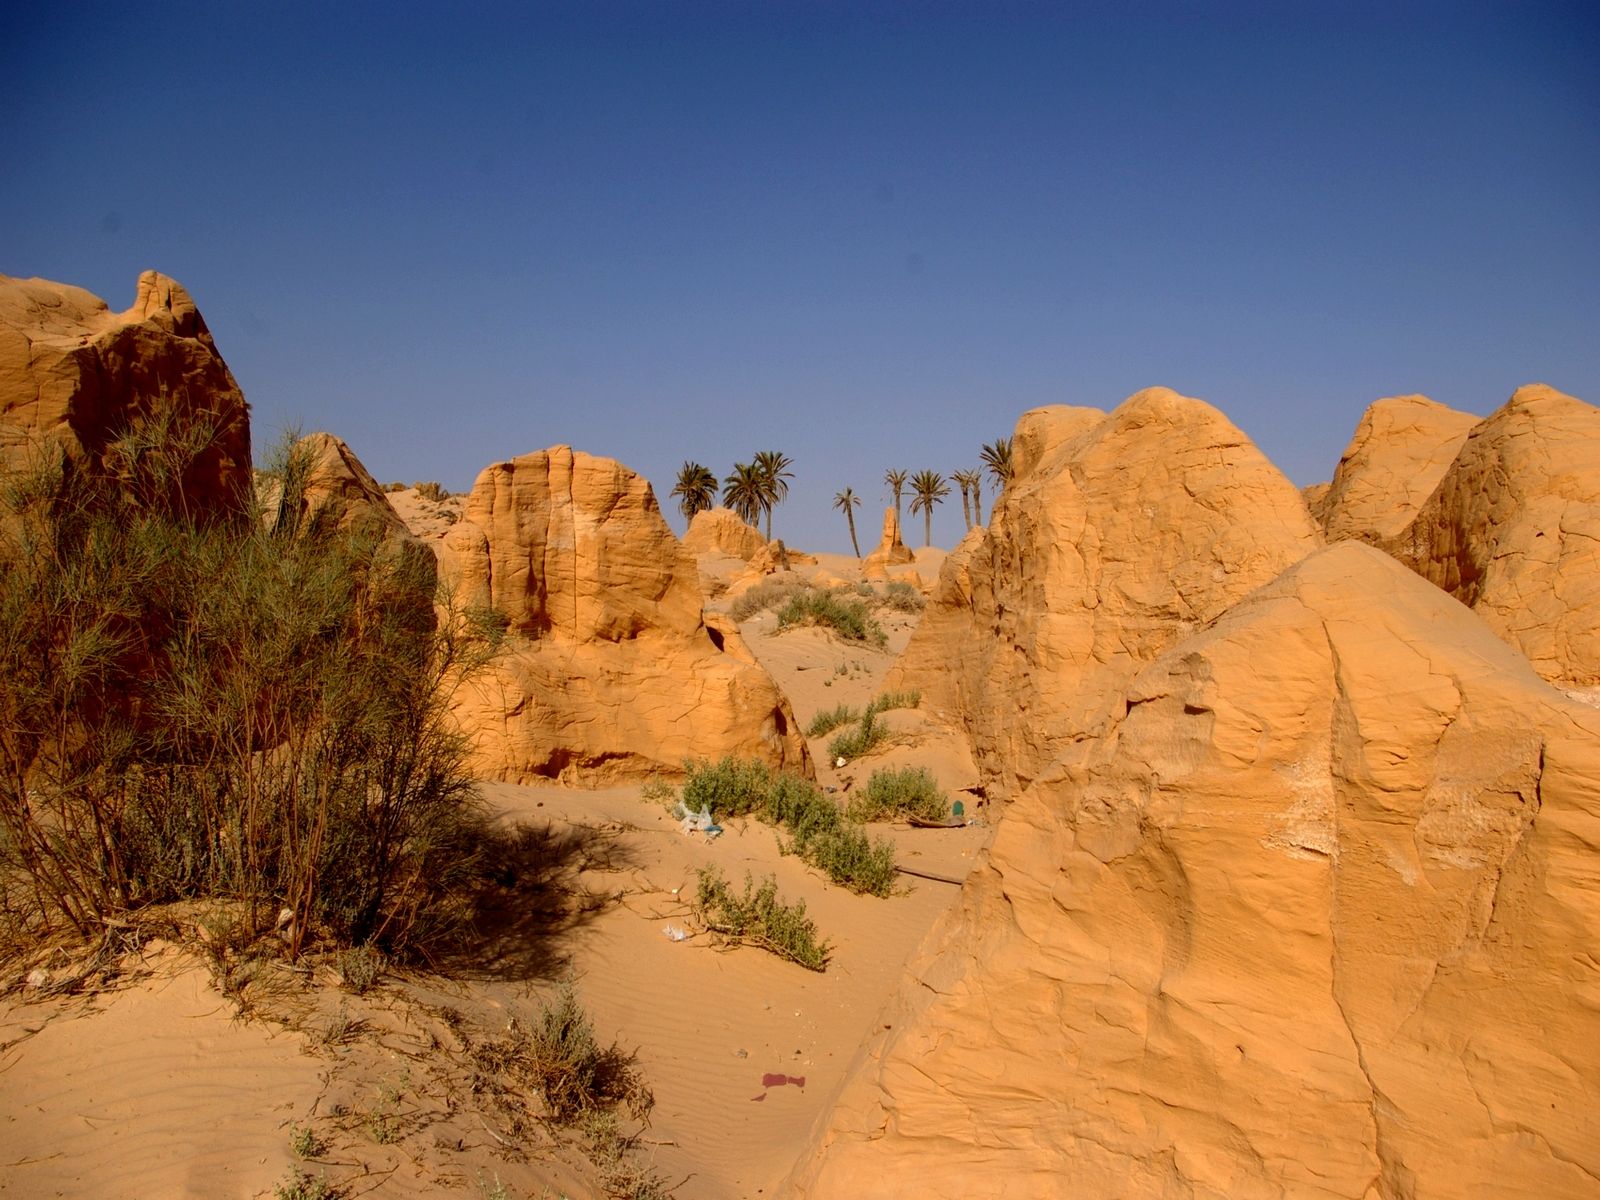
x: 1316, y: 917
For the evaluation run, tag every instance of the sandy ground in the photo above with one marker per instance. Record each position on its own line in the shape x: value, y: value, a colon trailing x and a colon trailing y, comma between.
x: 156, y: 1087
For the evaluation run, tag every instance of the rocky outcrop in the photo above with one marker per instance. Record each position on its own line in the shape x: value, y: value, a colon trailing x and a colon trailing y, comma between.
x: 890, y: 551
x: 1400, y: 451
x: 1315, y: 919
x: 610, y: 669
x: 337, y: 491
x: 1117, y: 536
x: 723, y: 531
x: 1513, y: 531
x: 102, y: 388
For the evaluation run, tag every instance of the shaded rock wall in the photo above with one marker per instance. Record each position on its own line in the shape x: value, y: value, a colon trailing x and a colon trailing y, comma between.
x: 75, y: 377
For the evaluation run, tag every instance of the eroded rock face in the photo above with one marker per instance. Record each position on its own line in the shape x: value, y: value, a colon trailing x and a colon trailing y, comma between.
x: 340, y: 490
x: 1400, y: 451
x: 723, y: 531
x: 1117, y: 536
x: 610, y: 670
x: 76, y: 377
x: 890, y: 551
x: 1315, y: 919
x: 1513, y: 531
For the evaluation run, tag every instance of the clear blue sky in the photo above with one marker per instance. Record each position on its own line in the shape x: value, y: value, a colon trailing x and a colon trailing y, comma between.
x: 867, y: 235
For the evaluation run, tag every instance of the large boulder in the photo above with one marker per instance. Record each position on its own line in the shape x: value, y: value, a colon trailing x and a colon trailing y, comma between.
x: 723, y: 531
x: 1117, y: 536
x: 1400, y: 451
x: 1317, y: 918
x: 102, y: 389
x: 610, y: 669
x: 1513, y: 531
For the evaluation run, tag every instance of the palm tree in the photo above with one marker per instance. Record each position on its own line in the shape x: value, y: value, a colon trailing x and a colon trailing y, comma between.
x: 846, y: 502
x: 896, y: 479
x: 996, y: 456
x: 977, y: 497
x: 929, y: 488
x: 774, y: 467
x: 966, y: 480
x: 696, y: 489
x: 743, y: 491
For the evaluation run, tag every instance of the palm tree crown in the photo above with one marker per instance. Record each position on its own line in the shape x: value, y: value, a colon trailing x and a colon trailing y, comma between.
x: 696, y: 489
x: 775, y: 475
x: 996, y: 456
x: 846, y: 502
x: 744, y: 492
x: 928, y: 488
x: 896, y: 479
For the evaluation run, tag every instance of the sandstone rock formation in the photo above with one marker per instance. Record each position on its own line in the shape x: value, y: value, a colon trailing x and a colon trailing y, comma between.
x: 1401, y: 449
x: 1118, y: 535
x: 338, y: 490
x: 77, y: 379
x: 1316, y: 918
x: 890, y: 551
x: 610, y: 669
x: 1513, y: 531
x: 723, y: 531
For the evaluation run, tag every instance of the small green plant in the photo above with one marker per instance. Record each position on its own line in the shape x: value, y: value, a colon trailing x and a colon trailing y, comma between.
x: 301, y: 1186
x: 493, y: 1191
x: 305, y: 1142
x: 902, y: 597
x: 826, y: 722
x: 558, y: 1056
x: 850, y: 619
x: 866, y: 735
x: 888, y: 700
x: 910, y: 792
x: 658, y: 789
x: 360, y: 967
x: 817, y: 829
x: 759, y: 917
x: 729, y: 787
x: 768, y: 594
x: 383, y: 1122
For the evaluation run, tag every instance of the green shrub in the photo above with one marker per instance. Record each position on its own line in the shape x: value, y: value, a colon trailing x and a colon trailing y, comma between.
x: 760, y: 918
x: 729, y: 788
x: 902, y: 597
x: 847, y: 618
x: 910, y: 792
x: 866, y: 735
x: 770, y: 593
x: 817, y: 830
x: 826, y: 722
x: 889, y: 700
x: 250, y: 707
x: 431, y: 491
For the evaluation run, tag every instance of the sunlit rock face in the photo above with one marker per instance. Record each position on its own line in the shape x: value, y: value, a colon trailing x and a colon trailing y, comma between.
x: 1401, y: 449
x: 610, y: 669
x: 1118, y: 535
x: 1315, y: 918
x: 1513, y: 531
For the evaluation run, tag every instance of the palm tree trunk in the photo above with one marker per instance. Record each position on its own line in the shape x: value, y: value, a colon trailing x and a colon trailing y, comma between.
x: 966, y: 509
x: 927, y: 527
x: 977, y: 503
x: 851, y: 517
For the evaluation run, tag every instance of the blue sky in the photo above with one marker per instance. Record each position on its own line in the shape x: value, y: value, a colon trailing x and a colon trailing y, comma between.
x: 866, y: 235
